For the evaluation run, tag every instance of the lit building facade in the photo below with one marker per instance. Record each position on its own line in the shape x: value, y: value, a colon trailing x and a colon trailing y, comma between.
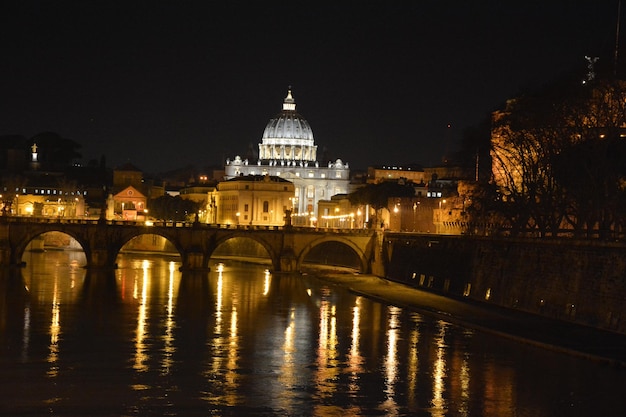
x: 253, y: 200
x: 128, y: 204
x: 288, y: 151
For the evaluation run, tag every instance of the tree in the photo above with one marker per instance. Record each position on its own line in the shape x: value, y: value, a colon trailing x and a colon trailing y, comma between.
x: 558, y: 159
x: 175, y: 208
x: 592, y: 167
x: 377, y: 195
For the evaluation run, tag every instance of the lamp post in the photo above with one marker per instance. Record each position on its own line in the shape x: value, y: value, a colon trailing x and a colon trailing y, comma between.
x: 237, y: 215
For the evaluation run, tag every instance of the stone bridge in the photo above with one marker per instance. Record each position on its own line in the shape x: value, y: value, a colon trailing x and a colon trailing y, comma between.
x: 287, y: 246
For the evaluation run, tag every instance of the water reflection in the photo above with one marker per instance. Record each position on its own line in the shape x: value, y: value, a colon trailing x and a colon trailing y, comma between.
x: 439, y: 373
x: 147, y: 339
x: 140, y: 286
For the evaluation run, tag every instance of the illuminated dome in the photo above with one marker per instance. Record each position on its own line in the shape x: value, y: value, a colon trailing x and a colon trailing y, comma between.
x: 288, y: 136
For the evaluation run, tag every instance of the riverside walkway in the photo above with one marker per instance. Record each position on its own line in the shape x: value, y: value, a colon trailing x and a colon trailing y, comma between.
x: 594, y: 344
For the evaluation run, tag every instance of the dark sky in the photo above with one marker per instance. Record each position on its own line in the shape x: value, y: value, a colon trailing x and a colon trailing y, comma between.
x: 166, y: 84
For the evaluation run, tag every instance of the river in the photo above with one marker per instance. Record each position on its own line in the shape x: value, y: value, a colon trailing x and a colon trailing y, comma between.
x: 148, y: 340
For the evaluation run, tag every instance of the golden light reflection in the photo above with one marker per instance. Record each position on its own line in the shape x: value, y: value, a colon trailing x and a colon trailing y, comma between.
x: 355, y: 360
x: 218, y: 302
x: 288, y: 369
x: 225, y: 349
x: 464, y: 377
x: 439, y: 373
x: 391, y: 361
x: 232, y: 377
x: 327, y: 369
x: 413, y: 361
x: 266, y: 282
x: 218, y: 339
x: 26, y: 334
x: 142, y: 315
x: 55, y: 330
x: 169, y: 348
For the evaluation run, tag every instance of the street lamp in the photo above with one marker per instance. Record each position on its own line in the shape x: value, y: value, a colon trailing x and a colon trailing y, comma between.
x: 237, y: 215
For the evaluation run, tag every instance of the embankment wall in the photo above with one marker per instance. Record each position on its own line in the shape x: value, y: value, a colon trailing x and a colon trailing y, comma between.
x: 582, y: 282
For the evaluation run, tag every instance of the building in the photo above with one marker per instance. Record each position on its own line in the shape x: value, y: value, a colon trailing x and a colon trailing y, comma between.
x: 26, y: 189
x: 339, y: 213
x: 128, y: 204
x: 251, y: 200
x: 200, y: 192
x: 288, y: 151
x: 415, y: 174
x: 130, y: 194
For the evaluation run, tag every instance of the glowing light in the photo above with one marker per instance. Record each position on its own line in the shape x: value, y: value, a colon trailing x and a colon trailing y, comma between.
x: 266, y: 282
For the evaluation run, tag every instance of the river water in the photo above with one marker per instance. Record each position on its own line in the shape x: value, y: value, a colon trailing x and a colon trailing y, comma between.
x: 148, y: 340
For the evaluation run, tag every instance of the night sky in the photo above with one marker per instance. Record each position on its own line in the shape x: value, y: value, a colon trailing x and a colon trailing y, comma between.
x: 167, y: 84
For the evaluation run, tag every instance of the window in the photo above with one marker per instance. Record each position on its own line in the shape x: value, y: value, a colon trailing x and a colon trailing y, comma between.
x: 245, y: 207
x: 266, y: 207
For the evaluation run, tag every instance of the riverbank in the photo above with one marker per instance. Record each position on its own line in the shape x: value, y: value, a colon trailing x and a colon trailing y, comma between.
x: 595, y: 344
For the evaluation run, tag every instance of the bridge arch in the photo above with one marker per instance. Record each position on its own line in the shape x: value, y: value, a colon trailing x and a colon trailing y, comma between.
x: 138, y: 234
x: 271, y: 253
x: 363, y: 262
x: 31, y: 235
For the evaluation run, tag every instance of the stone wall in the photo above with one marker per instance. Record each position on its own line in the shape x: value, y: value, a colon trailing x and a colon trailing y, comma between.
x: 583, y: 282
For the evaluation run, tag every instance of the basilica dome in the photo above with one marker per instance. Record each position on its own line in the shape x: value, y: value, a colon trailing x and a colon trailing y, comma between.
x: 288, y: 135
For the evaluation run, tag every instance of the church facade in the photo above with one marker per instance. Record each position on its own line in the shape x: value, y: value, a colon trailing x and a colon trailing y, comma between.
x: 288, y: 151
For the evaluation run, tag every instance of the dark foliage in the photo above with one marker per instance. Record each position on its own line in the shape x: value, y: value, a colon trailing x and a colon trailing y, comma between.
x: 173, y: 208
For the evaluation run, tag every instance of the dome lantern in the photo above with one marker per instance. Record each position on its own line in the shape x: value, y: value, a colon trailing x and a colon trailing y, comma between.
x: 289, y: 103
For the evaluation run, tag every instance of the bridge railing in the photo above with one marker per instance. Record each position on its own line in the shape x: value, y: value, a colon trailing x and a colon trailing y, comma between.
x: 177, y: 224
x: 39, y: 220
